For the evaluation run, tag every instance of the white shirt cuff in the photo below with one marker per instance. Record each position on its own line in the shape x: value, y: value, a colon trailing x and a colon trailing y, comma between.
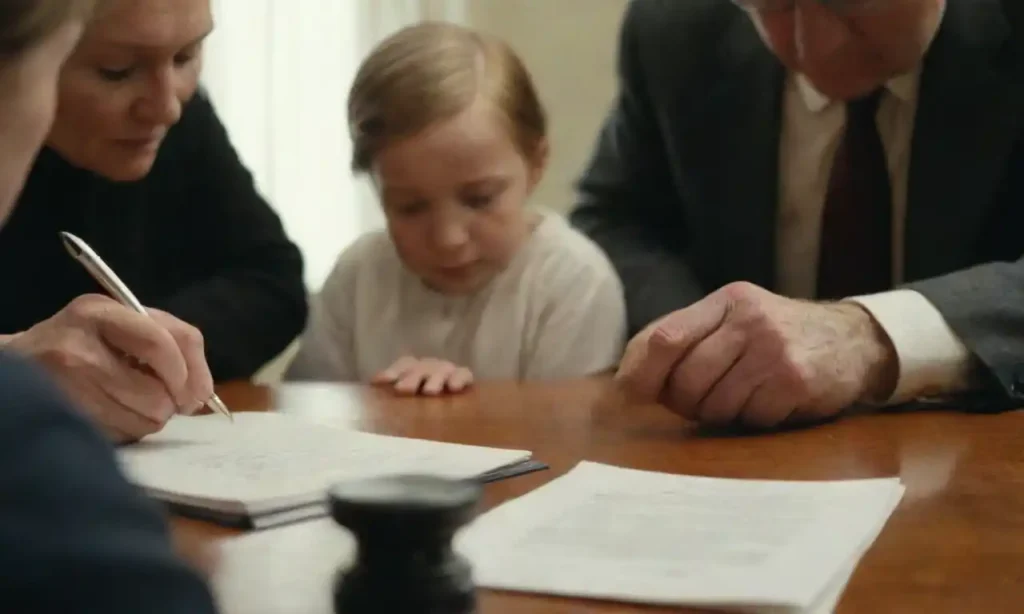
x: 932, y: 359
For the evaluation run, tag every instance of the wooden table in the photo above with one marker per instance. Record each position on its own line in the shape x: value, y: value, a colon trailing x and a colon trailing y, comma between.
x: 955, y: 544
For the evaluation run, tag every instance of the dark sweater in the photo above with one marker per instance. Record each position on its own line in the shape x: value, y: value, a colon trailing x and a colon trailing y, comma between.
x: 75, y: 536
x: 193, y: 238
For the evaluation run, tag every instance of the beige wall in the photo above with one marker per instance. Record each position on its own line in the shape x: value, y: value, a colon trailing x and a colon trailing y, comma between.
x: 569, y: 46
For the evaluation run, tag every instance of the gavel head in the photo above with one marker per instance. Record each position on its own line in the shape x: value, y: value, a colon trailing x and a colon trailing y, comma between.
x: 405, y: 561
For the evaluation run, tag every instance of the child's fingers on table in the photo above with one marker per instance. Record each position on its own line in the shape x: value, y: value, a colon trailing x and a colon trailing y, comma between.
x: 395, y: 372
x: 411, y: 381
x: 460, y: 379
x: 438, y: 376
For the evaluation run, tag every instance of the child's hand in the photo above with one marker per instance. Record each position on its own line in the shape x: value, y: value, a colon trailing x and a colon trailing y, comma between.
x: 428, y: 376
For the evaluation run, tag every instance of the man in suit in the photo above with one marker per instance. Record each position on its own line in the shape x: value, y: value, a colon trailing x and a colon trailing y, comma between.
x: 816, y: 203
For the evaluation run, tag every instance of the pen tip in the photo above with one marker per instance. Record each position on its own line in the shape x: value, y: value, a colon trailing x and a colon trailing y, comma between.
x: 71, y: 243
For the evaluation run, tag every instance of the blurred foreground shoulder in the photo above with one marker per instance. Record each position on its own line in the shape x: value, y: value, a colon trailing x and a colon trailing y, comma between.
x: 75, y: 536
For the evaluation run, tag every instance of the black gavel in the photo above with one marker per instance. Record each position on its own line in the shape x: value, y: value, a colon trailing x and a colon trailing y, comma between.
x: 405, y: 560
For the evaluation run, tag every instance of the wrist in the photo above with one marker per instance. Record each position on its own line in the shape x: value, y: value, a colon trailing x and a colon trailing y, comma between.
x: 877, y: 358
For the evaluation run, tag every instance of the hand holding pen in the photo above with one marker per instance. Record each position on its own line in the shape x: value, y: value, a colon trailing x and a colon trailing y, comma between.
x: 130, y: 371
x: 183, y: 333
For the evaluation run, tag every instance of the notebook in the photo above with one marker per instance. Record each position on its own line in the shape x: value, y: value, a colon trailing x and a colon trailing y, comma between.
x: 267, y: 469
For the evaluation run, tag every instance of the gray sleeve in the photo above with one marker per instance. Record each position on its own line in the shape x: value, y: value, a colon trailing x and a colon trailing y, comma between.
x: 984, y: 306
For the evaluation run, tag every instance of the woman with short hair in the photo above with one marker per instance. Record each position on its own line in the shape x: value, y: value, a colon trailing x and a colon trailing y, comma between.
x: 139, y: 166
x: 75, y: 536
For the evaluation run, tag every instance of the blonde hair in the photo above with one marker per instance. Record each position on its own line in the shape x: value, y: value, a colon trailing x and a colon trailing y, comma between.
x: 25, y: 23
x: 430, y: 72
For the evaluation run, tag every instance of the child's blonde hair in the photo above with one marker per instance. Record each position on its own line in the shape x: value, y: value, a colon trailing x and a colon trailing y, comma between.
x: 430, y: 72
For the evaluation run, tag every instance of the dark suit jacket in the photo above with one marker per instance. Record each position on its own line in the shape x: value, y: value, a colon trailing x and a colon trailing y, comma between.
x: 682, y: 189
x: 193, y: 237
x: 74, y: 535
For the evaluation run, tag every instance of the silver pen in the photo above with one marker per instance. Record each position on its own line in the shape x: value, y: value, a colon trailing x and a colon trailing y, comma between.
x: 99, y: 270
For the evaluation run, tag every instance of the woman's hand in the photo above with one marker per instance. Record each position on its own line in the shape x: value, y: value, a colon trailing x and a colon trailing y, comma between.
x: 130, y: 373
x: 428, y: 376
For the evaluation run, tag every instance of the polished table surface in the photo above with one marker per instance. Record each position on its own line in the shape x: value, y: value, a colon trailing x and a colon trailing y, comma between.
x: 954, y: 544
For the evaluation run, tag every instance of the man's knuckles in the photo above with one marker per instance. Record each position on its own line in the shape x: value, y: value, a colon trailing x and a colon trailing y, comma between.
x: 740, y: 291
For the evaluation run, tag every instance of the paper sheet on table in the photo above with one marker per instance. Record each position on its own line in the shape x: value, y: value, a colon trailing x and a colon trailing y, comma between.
x: 611, y: 533
x: 287, y: 570
x: 292, y: 569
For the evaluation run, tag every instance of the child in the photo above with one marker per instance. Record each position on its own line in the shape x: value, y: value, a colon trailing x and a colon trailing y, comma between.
x: 466, y: 282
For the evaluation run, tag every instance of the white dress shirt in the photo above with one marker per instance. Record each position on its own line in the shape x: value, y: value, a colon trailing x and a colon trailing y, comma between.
x: 932, y: 360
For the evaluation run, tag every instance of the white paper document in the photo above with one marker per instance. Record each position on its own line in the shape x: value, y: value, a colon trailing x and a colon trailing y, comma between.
x: 608, y: 533
x: 286, y: 570
x: 612, y: 533
x: 270, y: 462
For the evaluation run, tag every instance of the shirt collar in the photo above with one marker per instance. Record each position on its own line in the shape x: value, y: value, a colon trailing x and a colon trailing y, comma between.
x: 904, y: 87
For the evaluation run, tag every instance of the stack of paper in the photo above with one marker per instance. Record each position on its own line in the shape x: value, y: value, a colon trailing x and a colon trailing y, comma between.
x: 267, y: 468
x: 610, y: 533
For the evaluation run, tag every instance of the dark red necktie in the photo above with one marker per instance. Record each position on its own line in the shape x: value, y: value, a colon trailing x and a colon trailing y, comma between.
x: 856, y: 227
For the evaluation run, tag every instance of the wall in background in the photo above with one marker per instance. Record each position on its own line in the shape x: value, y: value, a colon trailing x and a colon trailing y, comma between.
x: 569, y: 47
x: 279, y: 73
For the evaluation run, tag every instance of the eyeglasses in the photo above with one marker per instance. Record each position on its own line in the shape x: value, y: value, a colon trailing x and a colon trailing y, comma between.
x: 842, y: 7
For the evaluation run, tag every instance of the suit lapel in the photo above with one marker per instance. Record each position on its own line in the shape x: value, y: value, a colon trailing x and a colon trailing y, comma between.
x: 967, y: 120
x: 741, y: 119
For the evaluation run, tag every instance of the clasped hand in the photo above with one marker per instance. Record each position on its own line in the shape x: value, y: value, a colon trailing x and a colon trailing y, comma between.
x: 130, y: 372
x: 746, y: 355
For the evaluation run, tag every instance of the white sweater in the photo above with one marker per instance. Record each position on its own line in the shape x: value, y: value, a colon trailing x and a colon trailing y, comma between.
x: 556, y: 312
